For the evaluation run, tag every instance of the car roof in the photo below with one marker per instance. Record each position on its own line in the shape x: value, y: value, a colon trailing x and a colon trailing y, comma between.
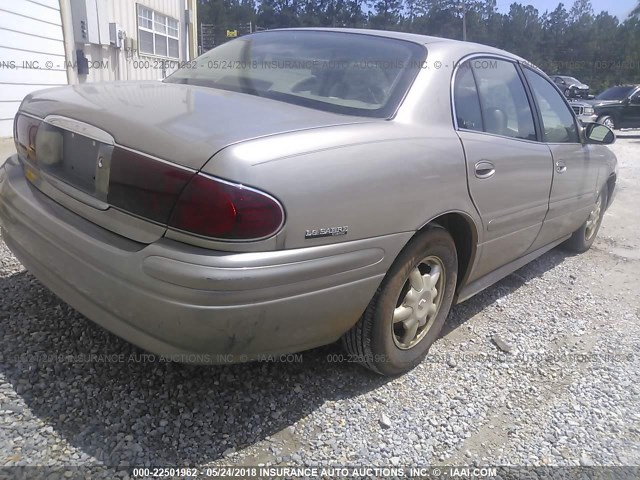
x: 457, y: 47
x: 411, y: 37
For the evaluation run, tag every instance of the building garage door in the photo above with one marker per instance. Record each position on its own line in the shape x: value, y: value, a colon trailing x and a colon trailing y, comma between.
x: 31, y: 53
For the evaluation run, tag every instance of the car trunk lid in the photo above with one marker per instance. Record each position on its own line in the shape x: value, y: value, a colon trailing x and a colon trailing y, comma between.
x: 182, y: 124
x: 132, y: 148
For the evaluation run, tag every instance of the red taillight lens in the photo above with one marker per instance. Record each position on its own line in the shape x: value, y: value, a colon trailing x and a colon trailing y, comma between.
x: 219, y: 209
x: 144, y: 186
x: 25, y: 136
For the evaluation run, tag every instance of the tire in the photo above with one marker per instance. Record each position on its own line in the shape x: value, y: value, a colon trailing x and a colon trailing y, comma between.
x: 582, y: 239
x: 608, y: 121
x: 376, y: 341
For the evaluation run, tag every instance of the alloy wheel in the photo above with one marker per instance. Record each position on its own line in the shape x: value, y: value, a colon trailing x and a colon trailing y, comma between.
x: 594, y: 219
x: 418, y: 303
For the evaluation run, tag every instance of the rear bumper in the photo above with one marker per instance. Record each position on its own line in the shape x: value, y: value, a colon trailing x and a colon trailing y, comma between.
x: 187, y: 303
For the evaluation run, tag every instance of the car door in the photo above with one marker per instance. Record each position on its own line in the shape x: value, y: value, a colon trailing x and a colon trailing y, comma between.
x: 509, y: 172
x: 576, y: 164
x: 630, y: 117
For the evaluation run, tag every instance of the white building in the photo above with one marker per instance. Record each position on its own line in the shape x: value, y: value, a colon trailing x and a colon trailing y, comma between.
x: 45, y: 43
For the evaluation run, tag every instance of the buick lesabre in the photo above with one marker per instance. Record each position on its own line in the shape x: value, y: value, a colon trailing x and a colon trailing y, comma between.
x: 292, y: 188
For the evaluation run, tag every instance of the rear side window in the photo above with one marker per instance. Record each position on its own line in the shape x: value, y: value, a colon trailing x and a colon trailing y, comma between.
x: 503, y: 101
x: 489, y: 97
x: 466, y: 100
x: 557, y: 119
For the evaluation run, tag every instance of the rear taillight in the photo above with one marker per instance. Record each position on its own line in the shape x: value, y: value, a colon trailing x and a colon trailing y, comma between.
x: 194, y: 203
x: 25, y: 136
x: 145, y: 186
x: 219, y: 209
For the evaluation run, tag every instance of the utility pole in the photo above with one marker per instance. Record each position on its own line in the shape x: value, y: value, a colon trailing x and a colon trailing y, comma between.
x: 463, y: 7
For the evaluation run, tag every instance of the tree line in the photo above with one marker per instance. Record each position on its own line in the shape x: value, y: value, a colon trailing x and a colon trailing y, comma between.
x: 598, y: 49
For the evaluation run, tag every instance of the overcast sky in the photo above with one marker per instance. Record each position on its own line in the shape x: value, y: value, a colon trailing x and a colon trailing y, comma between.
x: 619, y: 8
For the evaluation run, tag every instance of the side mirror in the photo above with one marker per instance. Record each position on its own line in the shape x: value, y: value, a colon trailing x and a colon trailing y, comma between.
x: 599, y: 134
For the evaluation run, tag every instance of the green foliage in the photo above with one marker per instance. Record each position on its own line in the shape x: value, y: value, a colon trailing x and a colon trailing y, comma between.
x: 385, y: 14
x: 570, y: 39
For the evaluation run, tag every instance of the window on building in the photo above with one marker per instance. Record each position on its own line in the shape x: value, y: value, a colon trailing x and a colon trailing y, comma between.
x: 157, y: 33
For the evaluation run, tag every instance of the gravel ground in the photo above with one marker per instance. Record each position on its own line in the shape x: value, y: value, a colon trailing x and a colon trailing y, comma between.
x: 565, y: 394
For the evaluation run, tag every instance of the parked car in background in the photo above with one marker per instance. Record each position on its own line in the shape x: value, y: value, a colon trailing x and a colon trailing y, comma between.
x: 618, y: 107
x: 583, y: 110
x: 571, y: 87
x: 325, y: 187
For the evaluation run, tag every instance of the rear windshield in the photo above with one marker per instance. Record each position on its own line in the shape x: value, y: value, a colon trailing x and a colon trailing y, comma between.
x: 333, y: 71
x: 615, y: 93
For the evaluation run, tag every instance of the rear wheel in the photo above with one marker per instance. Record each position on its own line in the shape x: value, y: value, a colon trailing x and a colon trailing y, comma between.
x: 582, y: 239
x: 409, y: 308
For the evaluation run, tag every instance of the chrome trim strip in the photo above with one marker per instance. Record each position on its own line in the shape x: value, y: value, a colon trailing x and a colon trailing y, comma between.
x: 30, y: 115
x: 80, y: 128
x: 157, y: 159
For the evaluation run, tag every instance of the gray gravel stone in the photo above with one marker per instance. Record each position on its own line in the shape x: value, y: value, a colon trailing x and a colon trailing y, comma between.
x: 501, y: 343
x: 385, y: 422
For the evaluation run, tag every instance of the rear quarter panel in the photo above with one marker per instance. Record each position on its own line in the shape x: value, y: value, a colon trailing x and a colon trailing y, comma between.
x: 376, y: 179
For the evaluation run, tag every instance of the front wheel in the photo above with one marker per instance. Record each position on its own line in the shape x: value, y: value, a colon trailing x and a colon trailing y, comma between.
x: 607, y: 121
x: 409, y: 308
x: 582, y: 239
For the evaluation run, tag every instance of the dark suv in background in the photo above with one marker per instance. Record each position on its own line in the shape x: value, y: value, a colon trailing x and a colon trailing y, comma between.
x: 571, y: 87
x: 618, y: 107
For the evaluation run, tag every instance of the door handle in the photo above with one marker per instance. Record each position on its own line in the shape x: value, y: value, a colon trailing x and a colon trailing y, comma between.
x: 561, y: 167
x: 485, y: 169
